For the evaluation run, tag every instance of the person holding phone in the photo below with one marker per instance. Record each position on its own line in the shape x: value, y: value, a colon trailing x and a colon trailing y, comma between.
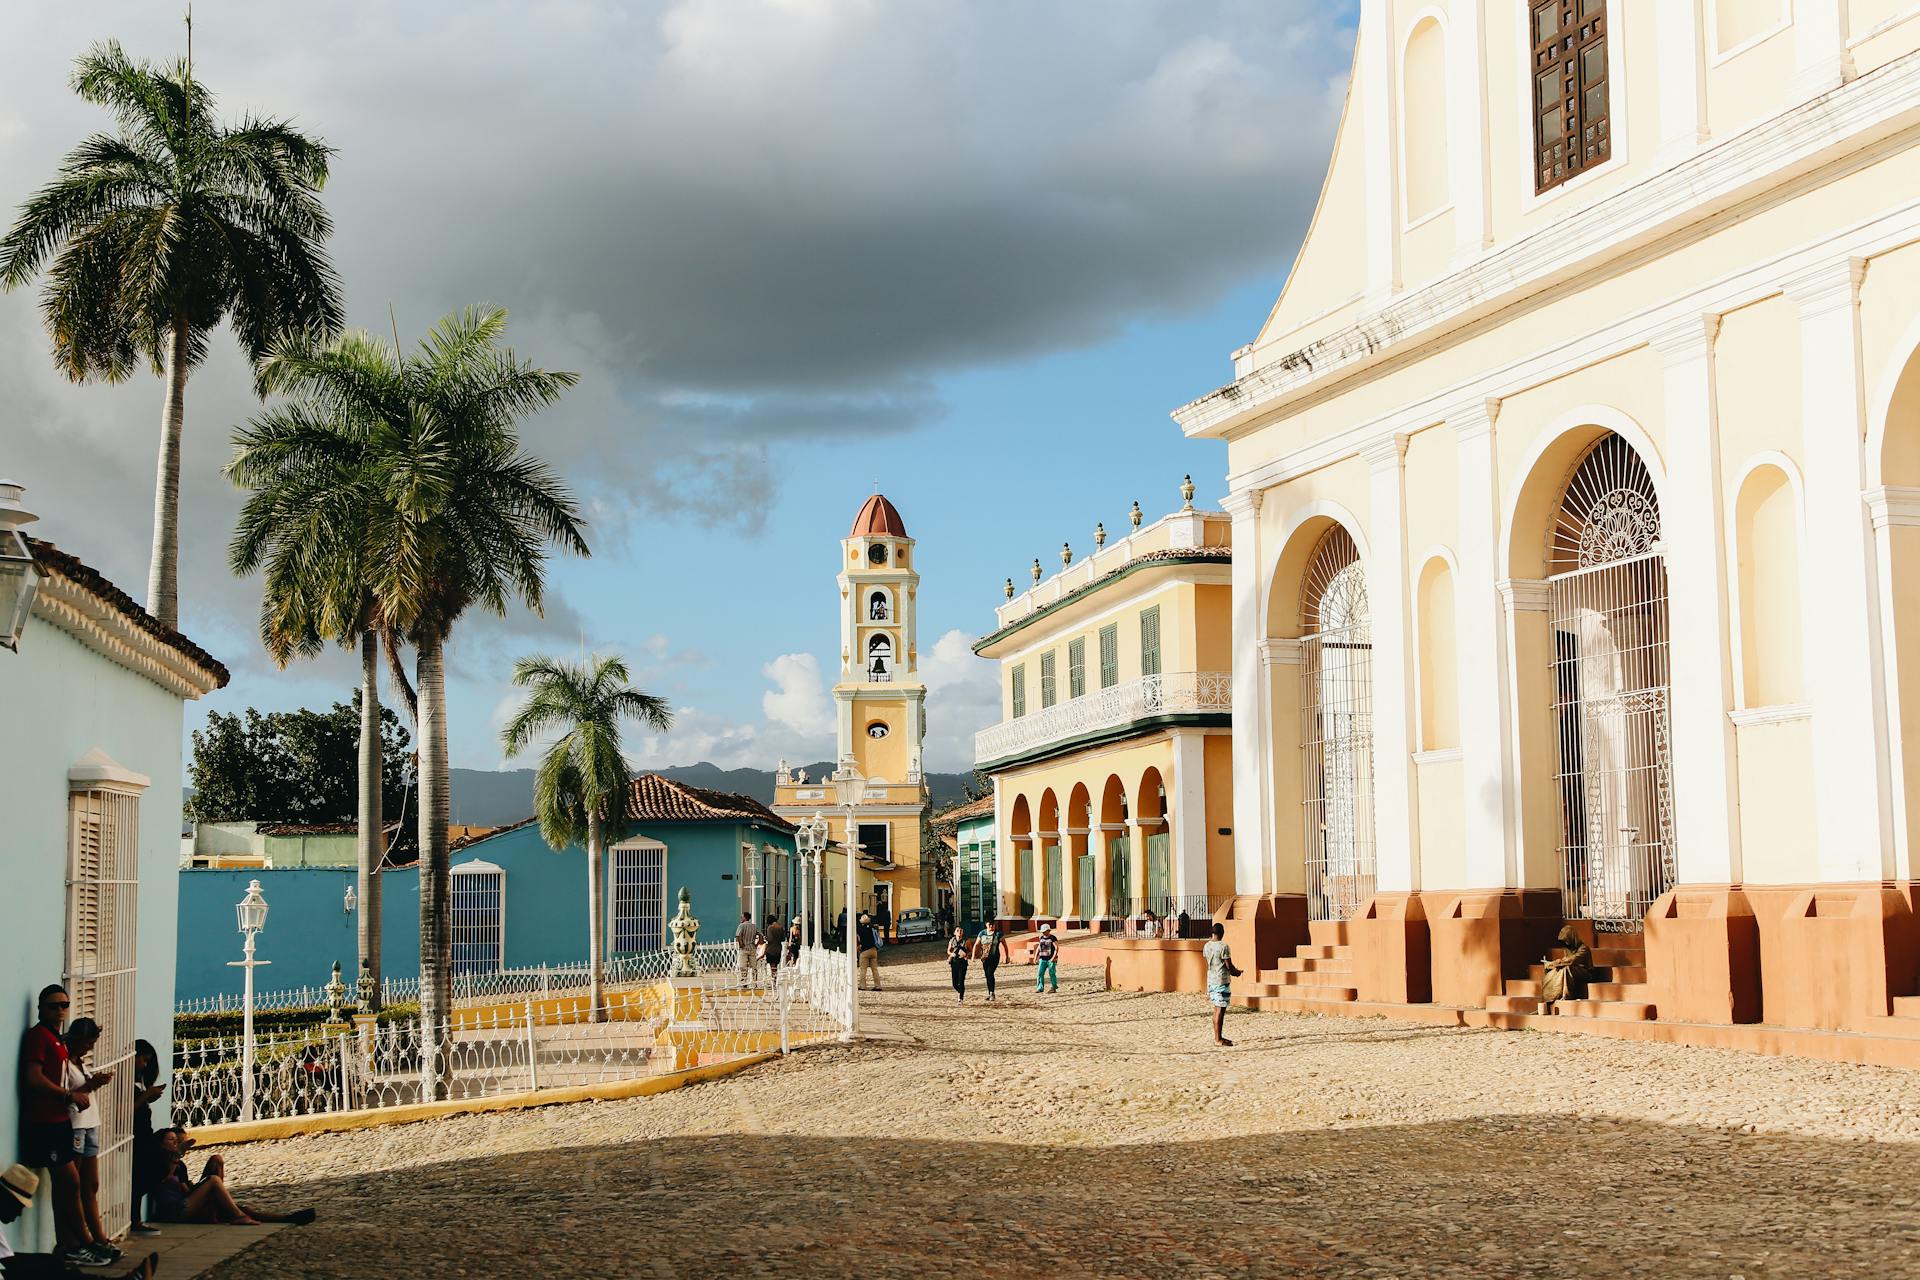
x: 83, y: 1115
x: 145, y: 1169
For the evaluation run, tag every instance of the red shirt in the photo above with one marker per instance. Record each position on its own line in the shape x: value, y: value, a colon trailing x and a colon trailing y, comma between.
x: 43, y: 1047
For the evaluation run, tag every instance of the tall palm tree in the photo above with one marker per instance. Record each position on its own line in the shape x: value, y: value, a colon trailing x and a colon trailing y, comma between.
x: 306, y: 526
x: 580, y: 789
x: 457, y: 516
x: 154, y: 235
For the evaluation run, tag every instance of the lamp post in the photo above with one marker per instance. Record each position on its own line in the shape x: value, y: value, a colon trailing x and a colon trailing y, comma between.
x: 850, y: 789
x: 251, y: 912
x: 821, y: 834
x: 19, y: 578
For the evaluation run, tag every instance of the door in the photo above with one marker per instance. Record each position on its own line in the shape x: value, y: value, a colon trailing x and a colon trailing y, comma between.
x: 1119, y: 889
x: 1083, y: 903
x: 1056, y: 880
x: 1024, y: 890
x: 1159, y: 873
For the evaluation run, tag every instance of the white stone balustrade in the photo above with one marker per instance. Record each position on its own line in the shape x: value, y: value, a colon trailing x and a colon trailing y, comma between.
x: 1171, y: 694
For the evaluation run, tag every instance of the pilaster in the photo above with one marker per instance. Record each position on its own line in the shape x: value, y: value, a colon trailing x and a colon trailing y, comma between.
x: 1188, y: 787
x: 1396, y: 838
x: 1842, y: 609
x: 1681, y: 49
x: 1707, y: 816
x: 1467, y: 120
x: 1480, y: 636
x: 1821, y: 58
x: 1377, y: 93
x: 1252, y: 793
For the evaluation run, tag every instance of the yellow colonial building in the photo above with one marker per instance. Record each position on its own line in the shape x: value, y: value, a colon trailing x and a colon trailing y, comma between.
x: 1575, y: 489
x: 1113, y: 762
x: 879, y: 700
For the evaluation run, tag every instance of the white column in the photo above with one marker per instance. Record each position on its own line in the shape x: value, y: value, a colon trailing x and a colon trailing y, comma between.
x: 1377, y: 93
x: 1187, y: 790
x: 1889, y: 509
x: 1680, y: 47
x: 843, y: 726
x: 915, y: 733
x: 1396, y: 835
x: 1692, y: 525
x: 1252, y: 829
x: 1467, y: 128
x: 1821, y: 58
x: 1486, y: 762
x: 1841, y: 603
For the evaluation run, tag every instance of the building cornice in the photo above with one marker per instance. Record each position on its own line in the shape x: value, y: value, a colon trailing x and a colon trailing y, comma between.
x: 103, y: 627
x: 1693, y: 191
x: 1151, y: 560
x: 1893, y: 506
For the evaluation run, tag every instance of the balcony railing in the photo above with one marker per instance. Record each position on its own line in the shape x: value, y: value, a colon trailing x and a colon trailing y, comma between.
x: 1172, y: 694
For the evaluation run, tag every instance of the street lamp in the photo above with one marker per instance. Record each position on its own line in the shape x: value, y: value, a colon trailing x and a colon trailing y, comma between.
x: 811, y: 838
x: 850, y: 789
x: 251, y: 912
x: 19, y: 578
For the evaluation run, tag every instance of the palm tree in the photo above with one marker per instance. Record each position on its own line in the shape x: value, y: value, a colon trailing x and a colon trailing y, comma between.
x: 456, y: 515
x: 580, y: 790
x: 306, y: 525
x: 154, y: 235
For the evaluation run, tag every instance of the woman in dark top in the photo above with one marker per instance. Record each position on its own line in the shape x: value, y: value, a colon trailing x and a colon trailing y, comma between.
x: 992, y: 946
x: 148, y: 1165
x: 957, y: 961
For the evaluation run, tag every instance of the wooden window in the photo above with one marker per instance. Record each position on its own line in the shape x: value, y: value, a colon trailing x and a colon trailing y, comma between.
x: 1110, y: 655
x: 1571, y: 130
x: 1019, y: 690
x: 1048, y: 692
x: 1150, y: 641
x: 1076, y: 667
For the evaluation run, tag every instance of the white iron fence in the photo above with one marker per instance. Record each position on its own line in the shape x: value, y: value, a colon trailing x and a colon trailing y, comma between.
x: 648, y: 1023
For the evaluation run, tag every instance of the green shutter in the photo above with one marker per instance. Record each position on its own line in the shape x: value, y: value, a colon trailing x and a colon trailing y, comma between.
x: 1019, y: 691
x: 1150, y: 641
x: 1110, y: 655
x: 1077, y: 667
x: 1046, y: 679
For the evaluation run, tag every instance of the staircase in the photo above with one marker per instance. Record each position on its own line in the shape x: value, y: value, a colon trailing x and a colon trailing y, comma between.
x: 1618, y: 990
x: 1317, y: 978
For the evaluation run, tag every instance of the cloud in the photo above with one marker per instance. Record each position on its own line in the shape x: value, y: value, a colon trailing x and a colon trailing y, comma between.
x: 798, y: 703
x: 963, y: 697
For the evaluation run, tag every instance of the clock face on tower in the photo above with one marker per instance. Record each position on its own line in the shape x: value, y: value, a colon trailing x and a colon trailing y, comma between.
x: 876, y: 554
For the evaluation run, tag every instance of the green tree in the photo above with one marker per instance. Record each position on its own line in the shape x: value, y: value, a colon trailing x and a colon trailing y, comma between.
x: 154, y: 235
x: 580, y: 788
x: 291, y: 766
x: 413, y: 460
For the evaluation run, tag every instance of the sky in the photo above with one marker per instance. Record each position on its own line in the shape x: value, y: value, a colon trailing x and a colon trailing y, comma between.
x: 971, y: 251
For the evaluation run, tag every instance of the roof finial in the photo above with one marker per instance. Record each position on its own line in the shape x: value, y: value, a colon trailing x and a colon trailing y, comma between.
x: 1099, y: 535
x: 1009, y: 588
x: 1136, y: 515
x: 1036, y: 571
x: 1186, y: 492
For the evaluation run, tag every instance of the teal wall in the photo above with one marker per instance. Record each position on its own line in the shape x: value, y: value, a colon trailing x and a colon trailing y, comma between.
x: 546, y: 907
x: 59, y: 700
x: 979, y: 888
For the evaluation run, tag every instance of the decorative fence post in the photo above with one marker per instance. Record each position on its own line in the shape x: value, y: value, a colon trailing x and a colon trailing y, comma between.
x: 533, y: 1048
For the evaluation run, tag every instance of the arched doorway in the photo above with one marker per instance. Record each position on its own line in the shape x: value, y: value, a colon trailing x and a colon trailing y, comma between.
x: 1607, y: 611
x: 1336, y: 728
x: 1119, y: 849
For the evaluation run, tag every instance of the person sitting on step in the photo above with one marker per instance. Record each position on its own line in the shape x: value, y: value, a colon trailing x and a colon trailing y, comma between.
x: 1567, y: 977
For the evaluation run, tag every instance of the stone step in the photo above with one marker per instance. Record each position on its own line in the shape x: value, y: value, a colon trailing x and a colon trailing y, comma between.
x: 1631, y: 991
x: 1327, y: 933
x: 1312, y: 978
x: 1312, y: 952
x: 1607, y: 957
x: 1514, y: 1002
x: 1313, y: 964
x: 1601, y: 973
x: 1330, y: 1000
x: 1906, y: 1006
x: 1273, y: 991
x: 1615, y: 1010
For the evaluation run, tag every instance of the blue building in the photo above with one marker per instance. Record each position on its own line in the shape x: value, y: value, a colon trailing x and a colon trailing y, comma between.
x: 92, y: 700
x: 516, y: 902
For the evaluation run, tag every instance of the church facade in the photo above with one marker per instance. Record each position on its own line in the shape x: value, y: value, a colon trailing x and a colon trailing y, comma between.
x: 1575, y: 488
x: 877, y: 795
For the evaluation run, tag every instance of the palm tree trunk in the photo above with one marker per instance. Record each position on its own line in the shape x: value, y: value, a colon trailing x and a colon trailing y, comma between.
x: 436, y: 924
x: 163, y: 572
x: 596, y: 913
x: 372, y: 844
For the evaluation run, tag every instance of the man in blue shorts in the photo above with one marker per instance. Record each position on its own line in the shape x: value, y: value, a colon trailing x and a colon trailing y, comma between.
x: 1220, y: 975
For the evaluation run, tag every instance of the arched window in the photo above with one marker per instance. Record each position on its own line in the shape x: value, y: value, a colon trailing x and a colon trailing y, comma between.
x: 877, y: 610
x: 1336, y: 736
x: 1767, y: 530
x: 879, y: 657
x: 1439, y: 662
x: 1423, y: 113
x: 479, y: 917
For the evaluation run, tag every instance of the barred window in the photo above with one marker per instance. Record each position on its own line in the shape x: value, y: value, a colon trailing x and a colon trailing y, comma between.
x: 1110, y: 655
x: 1571, y: 130
x: 479, y: 917
x: 103, y: 886
x: 639, y: 897
x: 1077, y: 667
x: 1048, y: 692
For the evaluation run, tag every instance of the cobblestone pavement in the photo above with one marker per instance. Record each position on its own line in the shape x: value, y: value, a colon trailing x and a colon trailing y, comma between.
x: 1098, y: 1133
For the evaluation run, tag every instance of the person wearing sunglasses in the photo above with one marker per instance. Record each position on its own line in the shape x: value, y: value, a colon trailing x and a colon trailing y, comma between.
x: 46, y: 1124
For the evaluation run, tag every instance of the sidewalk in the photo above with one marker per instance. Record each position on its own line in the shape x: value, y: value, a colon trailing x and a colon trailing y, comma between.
x: 191, y: 1249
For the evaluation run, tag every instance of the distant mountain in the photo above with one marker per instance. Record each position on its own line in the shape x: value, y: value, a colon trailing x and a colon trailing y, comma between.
x: 487, y: 798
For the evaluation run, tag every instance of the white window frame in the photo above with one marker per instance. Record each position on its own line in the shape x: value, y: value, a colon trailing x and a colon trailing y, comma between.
x: 638, y: 850
x: 886, y: 827
x: 474, y: 870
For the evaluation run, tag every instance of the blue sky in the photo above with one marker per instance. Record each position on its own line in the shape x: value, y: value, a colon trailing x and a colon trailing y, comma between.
x: 972, y: 251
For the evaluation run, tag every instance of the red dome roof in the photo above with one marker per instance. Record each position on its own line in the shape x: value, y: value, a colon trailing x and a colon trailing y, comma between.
x: 878, y: 518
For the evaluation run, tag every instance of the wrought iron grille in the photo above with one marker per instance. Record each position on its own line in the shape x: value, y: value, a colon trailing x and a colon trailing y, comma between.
x: 1336, y: 731
x: 103, y: 890
x: 639, y: 898
x: 1607, y: 600
x: 479, y: 892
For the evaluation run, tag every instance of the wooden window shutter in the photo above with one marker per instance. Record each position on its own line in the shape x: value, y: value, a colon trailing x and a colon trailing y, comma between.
x: 1150, y: 641
x: 1019, y: 690
x: 1077, y: 667
x: 1048, y: 691
x: 1110, y: 655
x: 1572, y: 131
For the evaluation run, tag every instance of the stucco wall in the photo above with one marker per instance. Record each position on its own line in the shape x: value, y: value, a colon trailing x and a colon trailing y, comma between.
x: 61, y: 700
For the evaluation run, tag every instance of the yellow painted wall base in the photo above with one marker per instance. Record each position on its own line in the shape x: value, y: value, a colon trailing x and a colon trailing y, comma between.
x: 215, y: 1135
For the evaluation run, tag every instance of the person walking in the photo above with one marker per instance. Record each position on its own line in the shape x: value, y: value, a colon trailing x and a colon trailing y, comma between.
x: 883, y: 921
x: 1220, y: 974
x: 868, y: 940
x: 991, y: 946
x: 776, y: 936
x: 746, y: 938
x: 957, y: 961
x: 1046, y: 958
x: 793, y: 941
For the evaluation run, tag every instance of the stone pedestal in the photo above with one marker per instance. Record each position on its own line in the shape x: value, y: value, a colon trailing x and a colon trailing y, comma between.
x: 1703, y: 955
x: 1260, y: 928
x: 1834, y: 956
x: 1481, y: 937
x: 689, y: 998
x: 1392, y: 950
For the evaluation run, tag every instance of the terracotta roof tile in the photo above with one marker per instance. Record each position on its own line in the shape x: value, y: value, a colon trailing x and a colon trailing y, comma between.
x: 69, y: 566
x: 664, y: 800
x: 878, y: 517
x: 953, y: 817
